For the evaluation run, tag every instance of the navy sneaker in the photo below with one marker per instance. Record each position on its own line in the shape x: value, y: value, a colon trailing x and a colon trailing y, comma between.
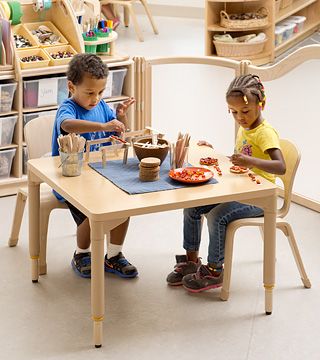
x: 81, y: 264
x: 120, y: 266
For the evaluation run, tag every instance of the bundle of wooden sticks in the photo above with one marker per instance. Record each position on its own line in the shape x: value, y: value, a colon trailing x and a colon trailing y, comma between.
x: 179, y: 150
x: 71, y: 143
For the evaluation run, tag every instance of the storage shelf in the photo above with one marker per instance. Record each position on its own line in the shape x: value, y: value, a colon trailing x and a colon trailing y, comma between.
x: 9, y: 113
x: 308, y: 8
x: 48, y: 70
x: 292, y: 9
x: 295, y: 38
x: 38, y: 109
x: 216, y: 27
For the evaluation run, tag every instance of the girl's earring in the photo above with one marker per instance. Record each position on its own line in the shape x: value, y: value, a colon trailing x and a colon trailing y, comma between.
x: 260, y: 106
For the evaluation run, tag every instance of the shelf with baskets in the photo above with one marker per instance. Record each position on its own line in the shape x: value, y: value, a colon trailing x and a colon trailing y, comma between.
x: 220, y: 20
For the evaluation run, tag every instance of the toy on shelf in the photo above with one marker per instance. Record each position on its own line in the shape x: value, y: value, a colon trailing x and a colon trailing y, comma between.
x: 98, y: 36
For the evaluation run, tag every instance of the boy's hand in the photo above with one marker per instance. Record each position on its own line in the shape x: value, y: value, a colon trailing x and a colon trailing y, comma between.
x: 114, y: 125
x: 122, y: 108
x: 241, y: 160
x: 204, y: 143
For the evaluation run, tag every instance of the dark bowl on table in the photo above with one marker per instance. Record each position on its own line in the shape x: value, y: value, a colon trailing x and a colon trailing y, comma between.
x: 144, y: 152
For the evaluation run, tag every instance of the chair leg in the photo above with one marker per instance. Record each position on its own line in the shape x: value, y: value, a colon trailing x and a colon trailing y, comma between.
x: 135, y: 22
x: 228, y: 253
x: 287, y: 230
x: 126, y: 16
x: 17, y: 219
x: 146, y: 7
x: 44, y: 222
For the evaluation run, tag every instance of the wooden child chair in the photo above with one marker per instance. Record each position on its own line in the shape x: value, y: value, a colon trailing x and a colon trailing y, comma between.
x: 292, y: 158
x: 42, y: 125
x: 128, y: 6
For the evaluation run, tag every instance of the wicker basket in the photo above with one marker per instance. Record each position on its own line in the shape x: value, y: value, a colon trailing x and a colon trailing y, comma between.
x: 285, y: 3
x: 234, y: 49
x: 225, y: 20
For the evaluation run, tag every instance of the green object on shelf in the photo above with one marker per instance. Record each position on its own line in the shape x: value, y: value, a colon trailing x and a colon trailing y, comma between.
x: 16, y: 12
x: 92, y: 49
x: 103, y: 48
x: 102, y: 33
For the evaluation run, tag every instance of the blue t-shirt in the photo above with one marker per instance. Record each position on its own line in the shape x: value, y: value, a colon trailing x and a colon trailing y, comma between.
x: 69, y: 110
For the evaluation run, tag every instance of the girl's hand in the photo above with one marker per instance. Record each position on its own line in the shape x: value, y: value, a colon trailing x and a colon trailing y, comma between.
x: 122, y: 108
x: 115, y: 125
x: 241, y: 160
x: 204, y: 143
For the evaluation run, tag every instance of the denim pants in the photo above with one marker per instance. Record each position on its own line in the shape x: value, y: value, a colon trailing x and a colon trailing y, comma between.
x: 218, y: 218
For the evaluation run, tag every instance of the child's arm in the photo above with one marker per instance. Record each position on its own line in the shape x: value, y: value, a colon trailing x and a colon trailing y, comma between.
x: 122, y: 109
x: 276, y: 165
x: 85, y: 126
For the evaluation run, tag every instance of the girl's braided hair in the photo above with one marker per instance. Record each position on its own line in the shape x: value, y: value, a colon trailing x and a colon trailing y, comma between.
x: 245, y: 85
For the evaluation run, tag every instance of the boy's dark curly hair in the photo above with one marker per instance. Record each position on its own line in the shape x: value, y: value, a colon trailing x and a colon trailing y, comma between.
x: 82, y: 64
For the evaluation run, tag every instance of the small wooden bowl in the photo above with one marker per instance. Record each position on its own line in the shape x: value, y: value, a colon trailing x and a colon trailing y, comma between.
x: 143, y: 152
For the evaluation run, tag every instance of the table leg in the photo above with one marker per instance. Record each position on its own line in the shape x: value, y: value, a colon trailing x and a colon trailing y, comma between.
x: 269, y: 254
x: 34, y: 225
x: 97, y: 280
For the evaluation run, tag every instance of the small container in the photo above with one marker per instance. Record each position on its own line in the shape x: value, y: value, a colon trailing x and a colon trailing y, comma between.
x: 31, y: 92
x: 20, y: 30
x: 6, y: 157
x: 7, y: 125
x: 90, y: 48
x: 279, y: 31
x: 71, y: 163
x: 299, y: 21
x: 114, y: 83
x: 288, y: 31
x: 34, y: 26
x: 55, y: 49
x: 33, y: 64
x: 7, y: 91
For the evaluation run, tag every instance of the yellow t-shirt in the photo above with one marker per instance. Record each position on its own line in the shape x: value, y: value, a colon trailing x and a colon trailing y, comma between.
x: 256, y: 142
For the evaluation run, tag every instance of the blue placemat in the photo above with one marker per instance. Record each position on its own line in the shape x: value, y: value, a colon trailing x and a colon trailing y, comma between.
x: 126, y: 177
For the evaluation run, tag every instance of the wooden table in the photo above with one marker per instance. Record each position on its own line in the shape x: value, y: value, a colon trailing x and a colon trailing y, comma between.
x: 107, y: 206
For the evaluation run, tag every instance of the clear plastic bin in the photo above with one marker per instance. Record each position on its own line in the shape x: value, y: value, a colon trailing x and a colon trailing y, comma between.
x: 298, y: 21
x: 288, y: 31
x: 25, y: 159
x: 30, y: 116
x: 6, y: 96
x: 114, y: 83
x: 31, y: 89
x: 6, y: 157
x: 7, y: 125
x: 278, y: 32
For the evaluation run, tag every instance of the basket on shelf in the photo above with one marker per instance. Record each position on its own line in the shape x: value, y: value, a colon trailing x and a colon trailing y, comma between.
x: 227, y: 21
x: 285, y: 3
x: 236, y: 49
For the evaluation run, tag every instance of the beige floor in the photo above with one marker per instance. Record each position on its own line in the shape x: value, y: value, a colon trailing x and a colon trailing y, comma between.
x: 145, y: 319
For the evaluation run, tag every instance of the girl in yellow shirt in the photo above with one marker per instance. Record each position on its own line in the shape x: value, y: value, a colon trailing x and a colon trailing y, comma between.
x: 257, y: 148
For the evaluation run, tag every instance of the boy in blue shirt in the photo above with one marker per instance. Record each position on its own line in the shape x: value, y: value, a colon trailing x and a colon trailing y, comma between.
x: 86, y: 114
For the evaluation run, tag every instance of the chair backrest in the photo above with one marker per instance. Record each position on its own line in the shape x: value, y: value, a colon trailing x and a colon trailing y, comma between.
x: 38, y: 136
x: 292, y: 157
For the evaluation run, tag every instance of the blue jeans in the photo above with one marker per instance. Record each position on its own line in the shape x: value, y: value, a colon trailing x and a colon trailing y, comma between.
x: 218, y: 218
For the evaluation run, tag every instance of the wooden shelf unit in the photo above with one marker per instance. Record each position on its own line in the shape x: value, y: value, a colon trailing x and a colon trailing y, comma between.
x: 308, y: 8
x: 63, y: 16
